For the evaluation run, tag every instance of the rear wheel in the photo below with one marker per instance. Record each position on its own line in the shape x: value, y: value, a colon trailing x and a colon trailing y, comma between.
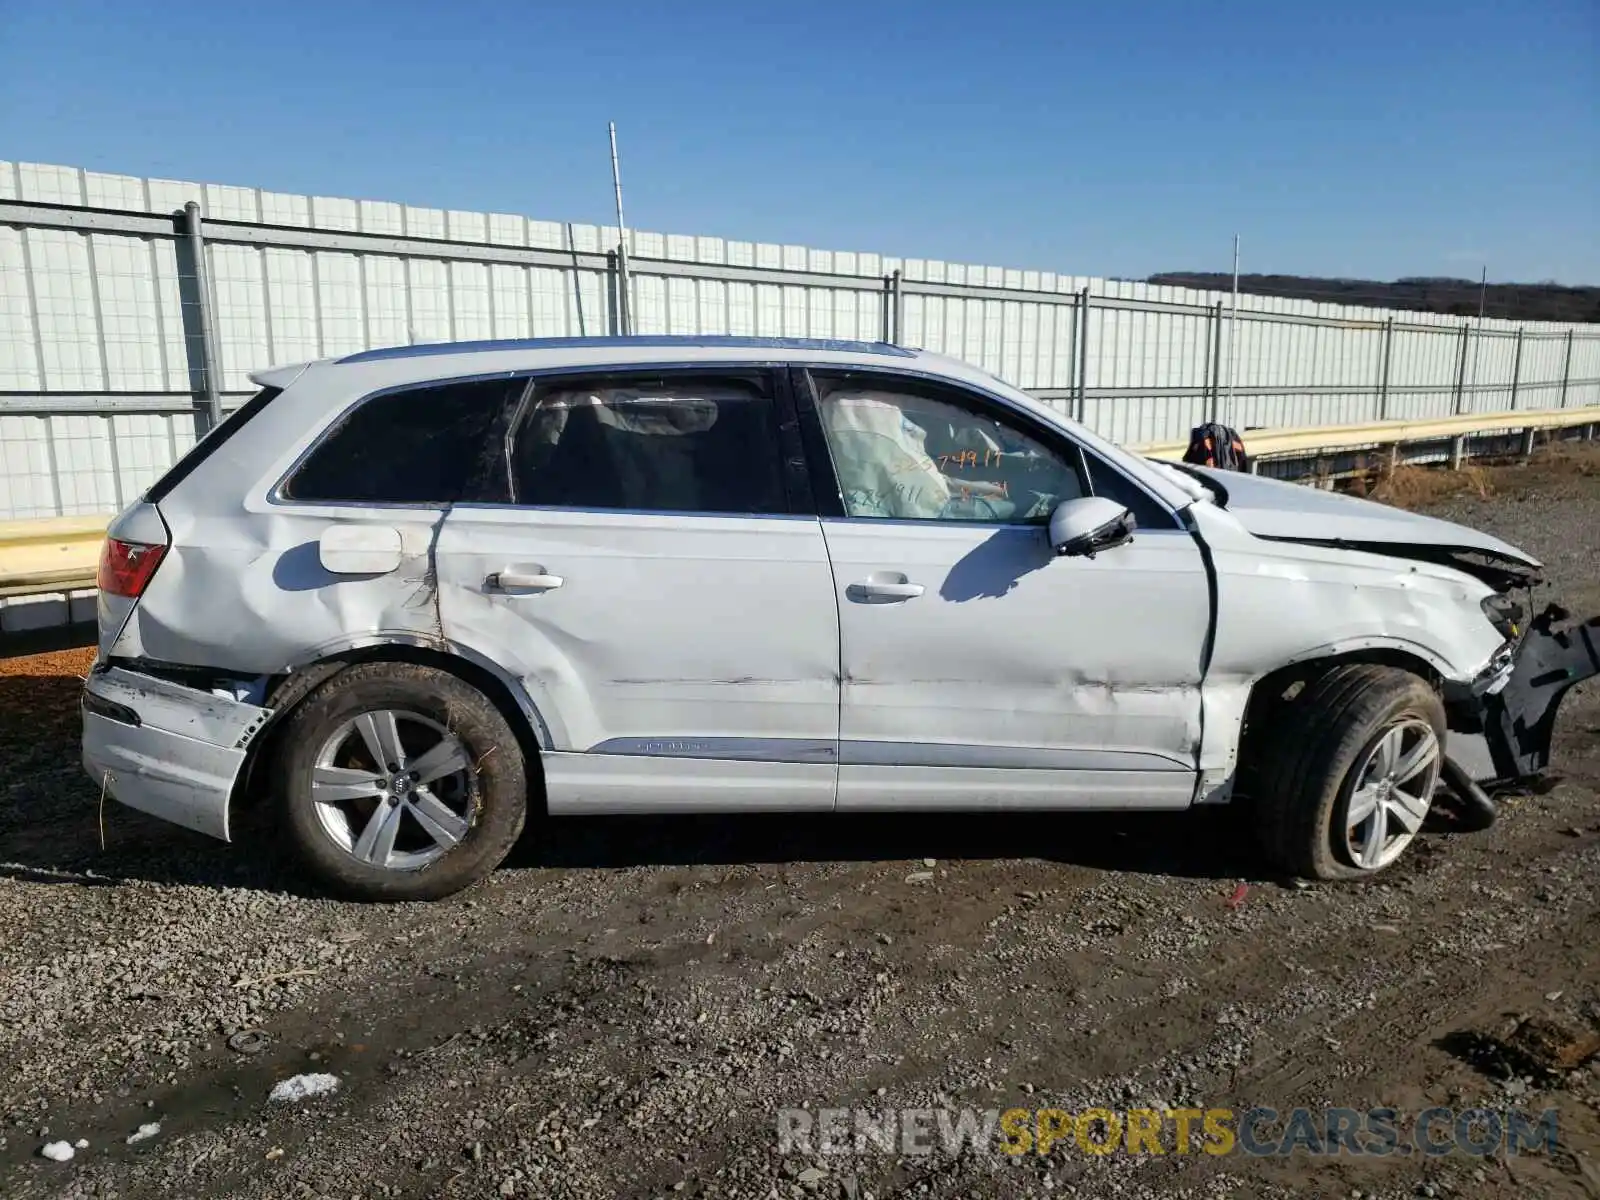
x: 401, y: 782
x: 1343, y: 774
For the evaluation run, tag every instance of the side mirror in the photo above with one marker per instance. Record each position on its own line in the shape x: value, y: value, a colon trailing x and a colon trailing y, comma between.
x: 1089, y: 524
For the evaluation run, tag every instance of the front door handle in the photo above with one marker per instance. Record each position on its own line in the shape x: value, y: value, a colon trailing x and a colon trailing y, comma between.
x: 510, y: 579
x: 885, y: 586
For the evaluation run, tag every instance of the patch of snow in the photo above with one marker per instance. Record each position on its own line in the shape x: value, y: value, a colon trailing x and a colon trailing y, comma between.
x: 303, y: 1087
x: 57, y: 1151
x: 144, y: 1131
x: 83, y: 1143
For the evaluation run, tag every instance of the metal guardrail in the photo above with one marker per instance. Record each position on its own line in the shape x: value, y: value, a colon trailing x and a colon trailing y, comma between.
x: 1322, y: 439
x: 48, y: 559
x: 53, y: 554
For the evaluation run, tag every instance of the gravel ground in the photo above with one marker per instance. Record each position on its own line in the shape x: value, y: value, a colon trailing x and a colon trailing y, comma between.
x: 624, y: 1008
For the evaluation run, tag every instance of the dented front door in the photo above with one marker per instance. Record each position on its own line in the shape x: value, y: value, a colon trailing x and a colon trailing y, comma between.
x: 981, y: 671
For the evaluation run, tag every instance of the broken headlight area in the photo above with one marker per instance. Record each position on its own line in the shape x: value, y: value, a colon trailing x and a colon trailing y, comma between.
x: 1516, y: 709
x: 1505, y: 613
x: 1496, y: 672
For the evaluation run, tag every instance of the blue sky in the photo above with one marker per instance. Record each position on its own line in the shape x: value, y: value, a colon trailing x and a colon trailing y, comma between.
x: 1374, y: 138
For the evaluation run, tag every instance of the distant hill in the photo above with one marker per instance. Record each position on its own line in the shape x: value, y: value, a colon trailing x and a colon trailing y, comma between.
x: 1512, y: 301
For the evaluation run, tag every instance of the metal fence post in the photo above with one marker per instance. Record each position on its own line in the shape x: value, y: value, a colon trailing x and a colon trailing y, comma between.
x: 613, y: 294
x: 577, y: 284
x: 1072, y: 359
x: 886, y: 308
x: 1458, y: 444
x: 194, y: 239
x: 1383, y: 376
x: 1461, y: 368
x: 1083, y: 357
x: 1516, y: 369
x: 899, y: 309
x: 624, y: 292
x: 1566, y: 370
x: 1216, y: 362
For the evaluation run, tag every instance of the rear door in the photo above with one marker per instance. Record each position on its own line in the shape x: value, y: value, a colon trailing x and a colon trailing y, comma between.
x: 655, y: 579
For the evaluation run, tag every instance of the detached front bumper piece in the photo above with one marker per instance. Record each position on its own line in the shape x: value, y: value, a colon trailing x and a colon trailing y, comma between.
x: 1519, y: 718
x: 165, y: 749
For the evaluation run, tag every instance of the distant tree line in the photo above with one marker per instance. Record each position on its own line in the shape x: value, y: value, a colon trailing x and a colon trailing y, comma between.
x: 1511, y: 301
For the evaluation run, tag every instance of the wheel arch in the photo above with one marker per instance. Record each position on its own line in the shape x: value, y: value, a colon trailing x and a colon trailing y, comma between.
x: 287, y: 692
x: 1281, y: 684
x: 1272, y: 686
x: 1312, y: 728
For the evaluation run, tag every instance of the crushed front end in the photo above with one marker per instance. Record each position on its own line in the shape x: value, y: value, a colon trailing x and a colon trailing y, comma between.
x: 1512, y: 706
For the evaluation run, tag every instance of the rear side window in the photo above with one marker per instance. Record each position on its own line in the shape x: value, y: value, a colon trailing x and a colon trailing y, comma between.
x: 210, y: 444
x: 679, y: 444
x: 428, y: 445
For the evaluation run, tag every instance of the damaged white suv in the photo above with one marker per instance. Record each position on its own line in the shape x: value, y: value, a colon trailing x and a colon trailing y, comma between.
x: 408, y: 595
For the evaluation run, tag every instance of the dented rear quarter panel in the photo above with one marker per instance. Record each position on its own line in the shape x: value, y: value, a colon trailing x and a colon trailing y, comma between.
x: 252, y: 596
x: 242, y: 587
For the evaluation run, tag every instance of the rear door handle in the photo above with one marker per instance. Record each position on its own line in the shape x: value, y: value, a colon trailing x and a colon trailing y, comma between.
x: 532, y: 580
x: 885, y: 586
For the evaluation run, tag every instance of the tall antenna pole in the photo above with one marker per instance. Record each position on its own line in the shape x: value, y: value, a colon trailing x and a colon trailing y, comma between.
x: 624, y: 324
x: 1233, y: 326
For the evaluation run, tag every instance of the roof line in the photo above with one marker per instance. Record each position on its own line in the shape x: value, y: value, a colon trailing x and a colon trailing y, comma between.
x: 707, y: 341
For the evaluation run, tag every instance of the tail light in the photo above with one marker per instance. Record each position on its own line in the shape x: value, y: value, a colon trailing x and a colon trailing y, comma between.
x: 126, y: 567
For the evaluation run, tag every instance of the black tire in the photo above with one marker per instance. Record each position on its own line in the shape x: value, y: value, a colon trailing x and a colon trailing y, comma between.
x: 494, y: 798
x: 1304, y: 757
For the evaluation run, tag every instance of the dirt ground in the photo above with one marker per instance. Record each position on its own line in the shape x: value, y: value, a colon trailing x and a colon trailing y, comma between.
x: 625, y: 1008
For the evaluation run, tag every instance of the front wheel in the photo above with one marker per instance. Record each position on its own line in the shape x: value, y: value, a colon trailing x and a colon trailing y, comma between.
x: 1344, y: 773
x: 401, y: 782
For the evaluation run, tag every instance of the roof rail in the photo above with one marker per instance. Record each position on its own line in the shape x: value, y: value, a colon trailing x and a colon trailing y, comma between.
x: 707, y: 341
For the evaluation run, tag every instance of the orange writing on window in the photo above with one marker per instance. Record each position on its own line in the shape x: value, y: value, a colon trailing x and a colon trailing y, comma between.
x: 959, y: 461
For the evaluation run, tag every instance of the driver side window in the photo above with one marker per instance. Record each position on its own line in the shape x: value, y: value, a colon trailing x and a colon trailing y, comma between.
x: 902, y: 451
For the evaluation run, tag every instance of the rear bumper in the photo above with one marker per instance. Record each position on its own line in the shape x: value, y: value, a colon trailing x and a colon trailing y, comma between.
x: 168, y: 750
x: 1505, y: 732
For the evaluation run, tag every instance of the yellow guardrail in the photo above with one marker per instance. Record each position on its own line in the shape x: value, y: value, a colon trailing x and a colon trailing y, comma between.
x: 1260, y: 443
x: 59, y: 554
x: 50, y: 554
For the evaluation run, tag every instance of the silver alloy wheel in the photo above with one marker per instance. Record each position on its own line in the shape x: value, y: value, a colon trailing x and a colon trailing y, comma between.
x: 379, y: 769
x: 1394, y: 787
